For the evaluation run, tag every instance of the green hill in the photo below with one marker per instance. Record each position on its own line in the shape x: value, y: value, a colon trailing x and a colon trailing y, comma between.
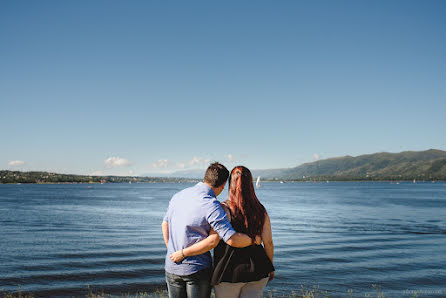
x: 408, y: 165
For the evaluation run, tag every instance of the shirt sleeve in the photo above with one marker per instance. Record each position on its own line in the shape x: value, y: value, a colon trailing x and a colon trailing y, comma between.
x: 218, y: 220
x: 166, y: 216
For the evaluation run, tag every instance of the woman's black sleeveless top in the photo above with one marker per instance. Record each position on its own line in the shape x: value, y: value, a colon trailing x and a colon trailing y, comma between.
x: 240, y: 264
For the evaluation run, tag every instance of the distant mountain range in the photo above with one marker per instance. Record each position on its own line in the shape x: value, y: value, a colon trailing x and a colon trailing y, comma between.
x: 430, y: 164
x: 408, y: 165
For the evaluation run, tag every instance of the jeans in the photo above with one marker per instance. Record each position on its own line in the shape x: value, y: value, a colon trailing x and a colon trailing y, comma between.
x: 196, y: 285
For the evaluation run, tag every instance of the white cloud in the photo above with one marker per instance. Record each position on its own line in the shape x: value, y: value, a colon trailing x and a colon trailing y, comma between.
x: 198, y: 161
x: 167, y: 165
x: 316, y: 157
x: 230, y: 158
x: 163, y: 164
x: 114, y: 162
x: 15, y: 163
x: 97, y: 173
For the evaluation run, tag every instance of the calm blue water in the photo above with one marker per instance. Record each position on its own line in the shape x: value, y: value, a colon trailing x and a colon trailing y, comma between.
x: 56, y: 240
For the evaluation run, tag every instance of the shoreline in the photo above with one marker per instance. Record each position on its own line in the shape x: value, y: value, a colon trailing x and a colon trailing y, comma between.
x: 185, y: 180
x: 302, y: 292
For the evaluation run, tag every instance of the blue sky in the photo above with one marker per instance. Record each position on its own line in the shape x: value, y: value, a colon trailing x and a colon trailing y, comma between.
x: 134, y: 87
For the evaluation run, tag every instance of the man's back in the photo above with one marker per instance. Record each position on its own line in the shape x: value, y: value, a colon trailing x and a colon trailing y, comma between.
x: 191, y: 214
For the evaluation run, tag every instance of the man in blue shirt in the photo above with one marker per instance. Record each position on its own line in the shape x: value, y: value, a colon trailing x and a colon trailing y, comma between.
x: 191, y: 214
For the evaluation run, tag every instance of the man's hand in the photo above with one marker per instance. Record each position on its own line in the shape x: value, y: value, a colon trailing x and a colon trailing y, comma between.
x: 258, y: 240
x: 177, y: 256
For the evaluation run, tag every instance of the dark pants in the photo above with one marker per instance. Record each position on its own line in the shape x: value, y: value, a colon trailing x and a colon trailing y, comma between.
x: 196, y: 285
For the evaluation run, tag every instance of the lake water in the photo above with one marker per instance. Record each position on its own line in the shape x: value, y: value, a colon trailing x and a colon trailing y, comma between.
x: 56, y: 240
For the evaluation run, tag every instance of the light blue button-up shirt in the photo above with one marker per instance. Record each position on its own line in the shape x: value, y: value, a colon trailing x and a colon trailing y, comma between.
x: 191, y: 214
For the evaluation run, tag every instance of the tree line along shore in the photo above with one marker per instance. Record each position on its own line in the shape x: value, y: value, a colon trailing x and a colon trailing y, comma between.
x: 48, y: 178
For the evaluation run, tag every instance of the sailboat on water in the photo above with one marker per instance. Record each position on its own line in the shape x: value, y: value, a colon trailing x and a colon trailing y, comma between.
x: 258, y: 185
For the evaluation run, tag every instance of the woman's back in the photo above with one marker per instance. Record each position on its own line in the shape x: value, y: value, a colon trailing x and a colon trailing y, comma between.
x: 240, y: 264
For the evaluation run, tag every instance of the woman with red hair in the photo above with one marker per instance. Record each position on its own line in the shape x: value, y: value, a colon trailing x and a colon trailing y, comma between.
x: 239, y: 272
x: 244, y: 272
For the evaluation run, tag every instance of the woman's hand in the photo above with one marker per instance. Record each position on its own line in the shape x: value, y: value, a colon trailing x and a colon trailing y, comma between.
x: 271, y: 276
x: 177, y: 256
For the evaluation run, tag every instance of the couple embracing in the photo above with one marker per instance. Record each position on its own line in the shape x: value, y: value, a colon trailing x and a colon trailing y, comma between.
x: 196, y: 222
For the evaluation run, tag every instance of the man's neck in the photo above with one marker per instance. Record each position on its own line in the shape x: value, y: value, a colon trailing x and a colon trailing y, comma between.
x: 211, y: 187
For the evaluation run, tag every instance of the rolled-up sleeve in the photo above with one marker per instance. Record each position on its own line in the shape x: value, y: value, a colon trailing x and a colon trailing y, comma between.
x: 218, y: 220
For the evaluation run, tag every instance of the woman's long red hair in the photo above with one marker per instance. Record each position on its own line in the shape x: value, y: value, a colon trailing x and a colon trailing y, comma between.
x: 246, y: 209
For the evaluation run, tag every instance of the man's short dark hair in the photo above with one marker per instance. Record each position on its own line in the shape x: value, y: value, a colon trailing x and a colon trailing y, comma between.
x: 216, y: 174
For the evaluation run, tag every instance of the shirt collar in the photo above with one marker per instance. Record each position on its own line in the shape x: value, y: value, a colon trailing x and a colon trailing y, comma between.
x: 206, y: 187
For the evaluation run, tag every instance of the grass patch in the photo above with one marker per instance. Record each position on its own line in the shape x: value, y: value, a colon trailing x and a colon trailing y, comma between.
x: 303, y: 292
x: 18, y: 294
x: 157, y: 294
